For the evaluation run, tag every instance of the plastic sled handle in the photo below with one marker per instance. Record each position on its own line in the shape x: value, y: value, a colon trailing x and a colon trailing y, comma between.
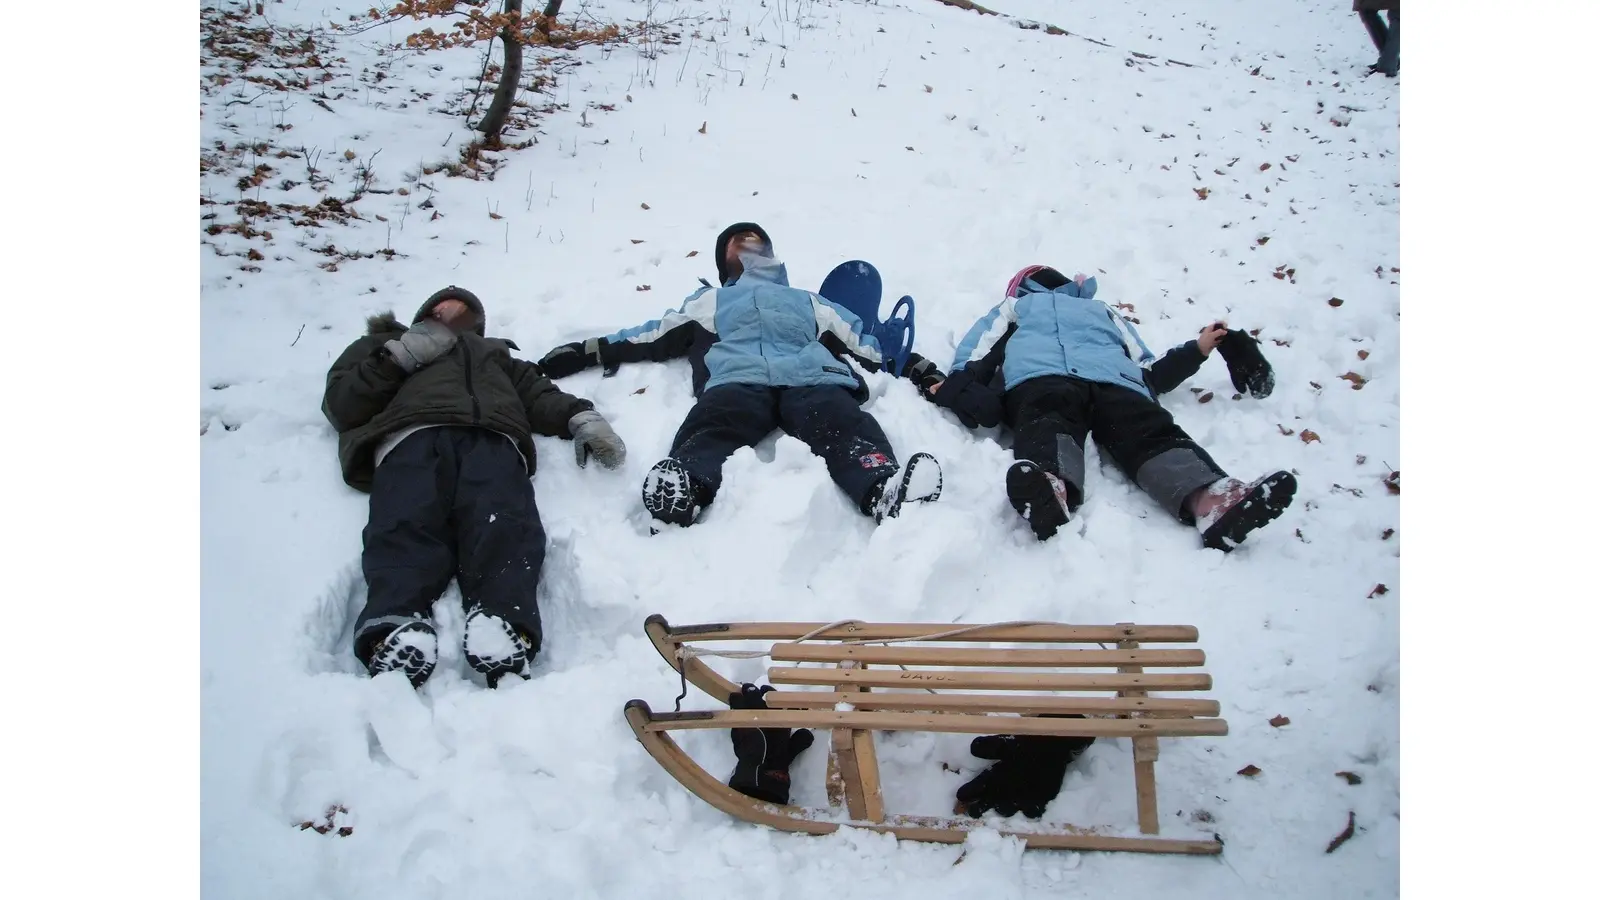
x: 911, y: 331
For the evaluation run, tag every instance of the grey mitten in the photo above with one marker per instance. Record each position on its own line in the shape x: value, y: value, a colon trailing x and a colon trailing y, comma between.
x: 422, y: 343
x: 591, y: 433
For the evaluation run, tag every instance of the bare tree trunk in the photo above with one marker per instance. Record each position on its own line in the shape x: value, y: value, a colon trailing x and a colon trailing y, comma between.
x: 551, y: 10
x: 494, y: 120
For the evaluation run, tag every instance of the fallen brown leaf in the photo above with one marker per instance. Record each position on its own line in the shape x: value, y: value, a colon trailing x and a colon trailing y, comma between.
x: 1393, y: 482
x: 693, y: 253
x: 642, y: 287
x: 927, y: 89
x: 1387, y: 533
x: 638, y: 392
x: 635, y: 240
x: 1266, y: 166
x: 1250, y: 771
x: 1349, y: 777
x: 1261, y: 241
x: 254, y: 254
x: 1362, y: 354
x: 1378, y: 591
x: 1345, y: 835
x: 1361, y: 459
x: 702, y: 127
x: 1308, y: 436
x: 1206, y: 397
x: 1335, y: 302
x: 1356, y: 381
x: 794, y: 96
x: 1202, y: 193
x: 1285, y: 431
x: 644, y: 206
x: 1278, y: 721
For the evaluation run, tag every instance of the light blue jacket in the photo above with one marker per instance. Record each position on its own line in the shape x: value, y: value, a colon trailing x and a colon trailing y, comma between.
x: 1061, y: 332
x: 755, y: 330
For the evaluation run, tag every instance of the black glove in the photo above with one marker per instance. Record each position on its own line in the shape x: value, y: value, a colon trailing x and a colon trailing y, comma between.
x: 1026, y: 776
x: 570, y: 359
x: 976, y: 405
x: 923, y: 373
x: 1249, y: 370
x: 764, y: 753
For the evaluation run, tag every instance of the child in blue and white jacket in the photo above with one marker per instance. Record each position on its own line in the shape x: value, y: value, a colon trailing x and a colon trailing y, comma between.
x: 1056, y: 365
x: 764, y: 355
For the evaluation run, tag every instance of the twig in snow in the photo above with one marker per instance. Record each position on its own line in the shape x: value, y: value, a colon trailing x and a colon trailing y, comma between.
x: 246, y: 102
x: 297, y: 334
x: 1345, y: 835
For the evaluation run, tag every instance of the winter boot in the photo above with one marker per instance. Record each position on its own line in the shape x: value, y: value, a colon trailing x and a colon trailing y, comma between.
x: 1039, y: 497
x: 412, y: 648
x: 670, y: 495
x: 496, y: 648
x: 1242, y: 508
x: 920, y: 481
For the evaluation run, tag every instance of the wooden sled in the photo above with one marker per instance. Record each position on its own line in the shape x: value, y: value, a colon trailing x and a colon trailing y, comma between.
x: 862, y: 672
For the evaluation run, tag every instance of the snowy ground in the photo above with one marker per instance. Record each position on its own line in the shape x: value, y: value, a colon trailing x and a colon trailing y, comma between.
x: 950, y: 149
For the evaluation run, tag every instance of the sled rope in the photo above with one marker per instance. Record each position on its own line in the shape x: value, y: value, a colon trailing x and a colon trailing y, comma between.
x: 687, y: 651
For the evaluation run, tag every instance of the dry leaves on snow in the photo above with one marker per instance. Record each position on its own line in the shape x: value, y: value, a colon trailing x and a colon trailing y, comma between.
x: 1278, y: 721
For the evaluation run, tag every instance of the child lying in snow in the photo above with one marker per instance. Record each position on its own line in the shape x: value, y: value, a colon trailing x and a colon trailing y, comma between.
x: 434, y: 422
x: 764, y: 356
x: 1055, y: 365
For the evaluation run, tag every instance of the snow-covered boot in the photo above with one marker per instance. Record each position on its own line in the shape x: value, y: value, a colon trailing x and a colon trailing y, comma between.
x: 496, y: 648
x: 670, y: 495
x: 412, y: 648
x: 1039, y: 497
x: 921, y: 481
x: 1236, y: 508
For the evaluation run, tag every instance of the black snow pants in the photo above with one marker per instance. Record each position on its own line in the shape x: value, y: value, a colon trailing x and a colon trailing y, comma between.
x: 452, y: 501
x: 1051, y: 416
x: 828, y: 418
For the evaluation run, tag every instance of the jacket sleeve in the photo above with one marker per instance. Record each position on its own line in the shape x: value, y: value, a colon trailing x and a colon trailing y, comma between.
x: 840, y: 331
x: 665, y: 338
x: 983, y: 350
x: 361, y: 383
x: 549, y: 408
x: 1177, y: 366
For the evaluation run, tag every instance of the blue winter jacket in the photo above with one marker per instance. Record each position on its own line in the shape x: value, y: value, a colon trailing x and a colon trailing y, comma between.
x: 1067, y: 331
x: 754, y: 330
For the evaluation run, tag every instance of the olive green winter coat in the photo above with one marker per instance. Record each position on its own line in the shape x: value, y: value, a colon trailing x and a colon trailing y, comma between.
x: 477, y: 382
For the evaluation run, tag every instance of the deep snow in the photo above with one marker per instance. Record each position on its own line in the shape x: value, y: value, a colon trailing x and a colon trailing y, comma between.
x: 1028, y: 148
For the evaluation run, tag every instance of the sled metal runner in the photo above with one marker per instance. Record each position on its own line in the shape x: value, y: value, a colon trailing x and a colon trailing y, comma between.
x: 854, y: 688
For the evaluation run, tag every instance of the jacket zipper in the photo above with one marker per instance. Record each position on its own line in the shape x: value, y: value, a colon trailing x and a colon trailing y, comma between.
x: 466, y: 356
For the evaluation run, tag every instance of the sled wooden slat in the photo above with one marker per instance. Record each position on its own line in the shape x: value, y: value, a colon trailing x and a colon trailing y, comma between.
x: 1054, y: 634
x: 946, y: 683
x: 901, y: 655
x: 947, y: 723
x: 989, y: 681
x: 997, y: 703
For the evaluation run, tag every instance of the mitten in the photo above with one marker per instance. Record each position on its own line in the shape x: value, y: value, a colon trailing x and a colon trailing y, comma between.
x: 1249, y: 369
x: 422, y: 343
x: 923, y: 373
x: 1026, y: 775
x: 570, y: 359
x: 591, y: 433
x: 764, y: 754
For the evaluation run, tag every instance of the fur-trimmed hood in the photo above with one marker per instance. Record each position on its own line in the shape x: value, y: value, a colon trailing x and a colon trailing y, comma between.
x: 385, y: 322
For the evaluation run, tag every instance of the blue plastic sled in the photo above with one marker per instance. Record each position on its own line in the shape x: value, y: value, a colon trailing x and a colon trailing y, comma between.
x: 856, y: 286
